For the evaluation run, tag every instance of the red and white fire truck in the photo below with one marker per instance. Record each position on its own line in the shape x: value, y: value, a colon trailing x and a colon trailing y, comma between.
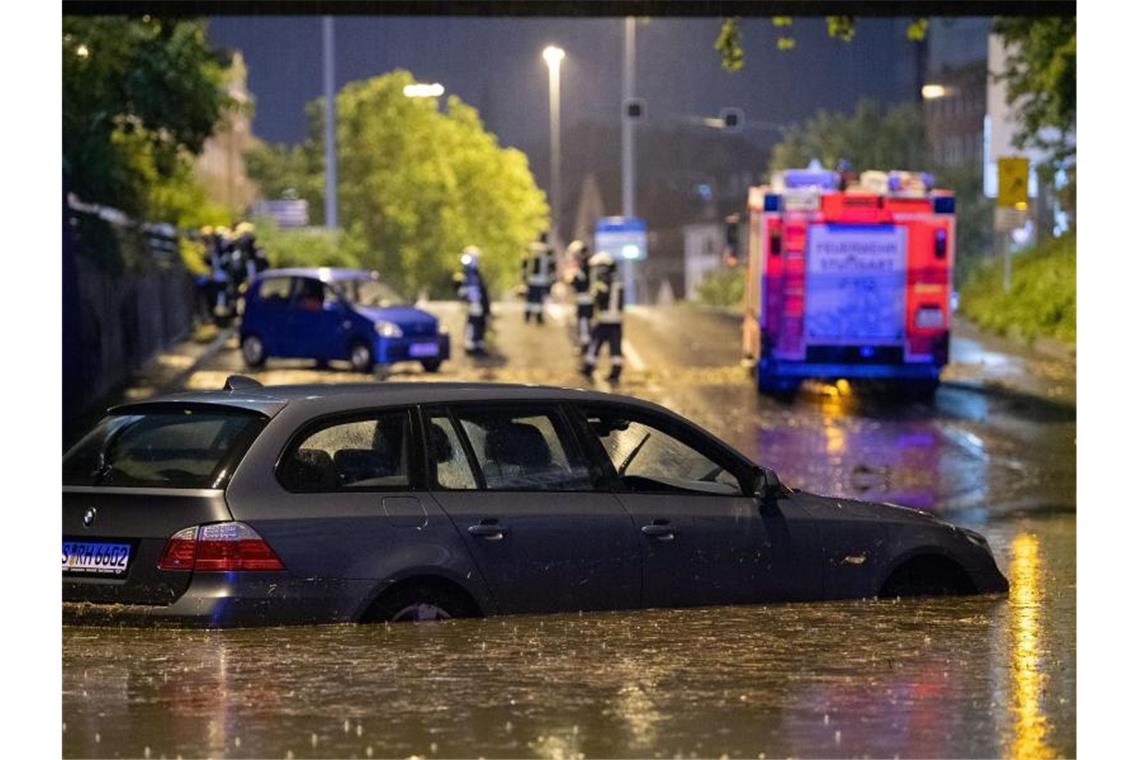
x: 848, y: 280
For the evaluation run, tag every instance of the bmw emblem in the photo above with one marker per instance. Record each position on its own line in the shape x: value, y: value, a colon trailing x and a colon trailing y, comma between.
x: 89, y: 517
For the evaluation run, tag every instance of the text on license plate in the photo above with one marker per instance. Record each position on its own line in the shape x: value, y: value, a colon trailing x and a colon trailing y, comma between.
x: 95, y: 557
x: 423, y: 349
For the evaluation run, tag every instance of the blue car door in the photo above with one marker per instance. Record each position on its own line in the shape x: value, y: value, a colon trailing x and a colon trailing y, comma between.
x: 267, y: 313
x: 315, y: 316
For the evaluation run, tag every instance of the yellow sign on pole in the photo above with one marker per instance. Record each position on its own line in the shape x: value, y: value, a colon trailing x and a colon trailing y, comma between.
x: 1013, y: 183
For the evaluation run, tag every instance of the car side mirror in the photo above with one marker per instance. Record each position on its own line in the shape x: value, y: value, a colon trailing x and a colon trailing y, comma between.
x: 765, y: 483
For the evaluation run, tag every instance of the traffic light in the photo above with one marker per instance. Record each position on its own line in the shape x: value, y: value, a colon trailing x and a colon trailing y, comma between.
x: 733, y: 119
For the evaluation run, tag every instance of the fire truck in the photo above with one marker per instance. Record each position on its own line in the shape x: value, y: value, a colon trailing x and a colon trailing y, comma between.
x: 848, y: 279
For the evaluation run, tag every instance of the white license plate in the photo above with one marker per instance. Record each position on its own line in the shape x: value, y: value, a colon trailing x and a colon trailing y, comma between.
x: 95, y: 557
x: 423, y: 349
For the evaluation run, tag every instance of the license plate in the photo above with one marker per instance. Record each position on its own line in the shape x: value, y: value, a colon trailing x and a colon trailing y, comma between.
x: 95, y: 557
x: 423, y: 349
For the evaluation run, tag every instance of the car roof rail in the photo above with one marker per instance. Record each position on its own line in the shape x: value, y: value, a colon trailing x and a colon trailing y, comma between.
x: 241, y: 383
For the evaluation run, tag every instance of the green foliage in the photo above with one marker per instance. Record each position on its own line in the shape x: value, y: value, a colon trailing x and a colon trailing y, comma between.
x: 974, y: 217
x: 722, y: 287
x: 1042, y: 301
x: 308, y: 247
x: 1041, y: 79
x: 917, y: 29
x: 140, y: 96
x: 728, y: 45
x: 281, y: 171
x: 871, y: 138
x: 417, y: 185
x: 841, y: 27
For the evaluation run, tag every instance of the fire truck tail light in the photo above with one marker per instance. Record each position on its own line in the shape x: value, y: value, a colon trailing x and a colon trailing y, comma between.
x: 940, y: 243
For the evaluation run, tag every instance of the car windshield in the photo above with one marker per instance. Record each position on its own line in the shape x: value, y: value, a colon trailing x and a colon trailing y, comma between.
x: 175, y: 448
x: 370, y: 293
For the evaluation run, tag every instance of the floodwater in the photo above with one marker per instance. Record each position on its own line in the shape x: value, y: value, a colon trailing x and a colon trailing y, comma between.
x: 964, y: 677
x: 950, y: 677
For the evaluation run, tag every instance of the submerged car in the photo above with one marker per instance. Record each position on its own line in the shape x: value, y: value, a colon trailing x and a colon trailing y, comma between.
x: 337, y: 314
x: 356, y: 503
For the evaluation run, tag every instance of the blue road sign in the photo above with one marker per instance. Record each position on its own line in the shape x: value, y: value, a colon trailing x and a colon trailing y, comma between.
x: 624, y: 238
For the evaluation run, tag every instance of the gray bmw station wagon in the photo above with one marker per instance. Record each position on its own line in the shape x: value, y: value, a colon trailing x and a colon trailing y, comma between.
x: 382, y: 502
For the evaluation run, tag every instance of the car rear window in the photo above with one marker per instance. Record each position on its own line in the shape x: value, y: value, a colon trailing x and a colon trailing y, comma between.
x: 172, y: 448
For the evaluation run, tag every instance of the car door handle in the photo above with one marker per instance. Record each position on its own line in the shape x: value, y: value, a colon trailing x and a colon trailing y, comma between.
x: 660, y: 531
x: 488, y: 531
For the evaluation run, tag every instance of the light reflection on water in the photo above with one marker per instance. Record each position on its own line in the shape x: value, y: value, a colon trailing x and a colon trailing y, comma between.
x: 1031, y: 726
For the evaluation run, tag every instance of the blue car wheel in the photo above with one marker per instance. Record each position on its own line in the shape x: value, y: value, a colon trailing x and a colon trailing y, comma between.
x: 360, y: 356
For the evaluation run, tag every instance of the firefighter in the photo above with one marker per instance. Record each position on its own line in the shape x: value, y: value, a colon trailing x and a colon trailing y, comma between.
x: 473, y: 292
x: 250, y: 256
x: 225, y: 291
x: 538, y: 276
x: 579, y: 279
x: 609, y: 302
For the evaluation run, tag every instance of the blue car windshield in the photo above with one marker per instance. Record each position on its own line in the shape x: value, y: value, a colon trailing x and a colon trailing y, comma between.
x: 369, y: 293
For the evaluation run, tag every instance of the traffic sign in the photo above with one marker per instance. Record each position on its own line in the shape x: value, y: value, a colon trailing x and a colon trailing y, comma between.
x: 1013, y: 182
x: 622, y: 237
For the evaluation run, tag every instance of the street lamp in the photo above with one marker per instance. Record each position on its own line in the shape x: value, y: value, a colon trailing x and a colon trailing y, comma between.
x: 553, y: 57
x: 421, y: 90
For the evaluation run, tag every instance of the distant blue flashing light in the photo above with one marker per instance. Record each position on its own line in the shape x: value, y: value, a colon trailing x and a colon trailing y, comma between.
x: 944, y: 204
x: 771, y: 202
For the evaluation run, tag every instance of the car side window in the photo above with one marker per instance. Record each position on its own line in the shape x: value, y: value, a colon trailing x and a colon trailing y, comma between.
x: 310, y: 294
x: 525, y: 450
x: 648, y: 459
x: 364, y: 454
x: 447, y: 456
x: 275, y: 289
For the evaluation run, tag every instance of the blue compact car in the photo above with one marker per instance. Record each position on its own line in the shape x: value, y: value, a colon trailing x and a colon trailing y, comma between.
x: 327, y: 314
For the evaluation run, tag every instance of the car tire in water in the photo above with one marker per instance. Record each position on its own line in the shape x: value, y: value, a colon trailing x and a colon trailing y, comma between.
x: 432, y: 365
x: 253, y: 351
x: 360, y: 357
x: 419, y: 602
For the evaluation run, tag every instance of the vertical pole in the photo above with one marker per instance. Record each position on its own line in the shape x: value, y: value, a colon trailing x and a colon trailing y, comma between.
x: 628, y: 208
x: 330, y: 125
x: 556, y: 155
x: 1006, y: 265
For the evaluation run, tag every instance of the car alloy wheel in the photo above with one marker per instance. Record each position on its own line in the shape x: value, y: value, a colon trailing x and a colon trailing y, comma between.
x: 420, y: 612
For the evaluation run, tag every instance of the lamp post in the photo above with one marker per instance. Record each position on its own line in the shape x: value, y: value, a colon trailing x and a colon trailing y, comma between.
x: 553, y: 57
x: 329, y: 49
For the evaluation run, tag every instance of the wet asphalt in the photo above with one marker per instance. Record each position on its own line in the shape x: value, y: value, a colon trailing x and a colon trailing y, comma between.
x: 968, y: 677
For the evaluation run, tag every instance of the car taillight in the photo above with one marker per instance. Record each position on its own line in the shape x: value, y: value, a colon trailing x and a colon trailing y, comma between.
x: 179, y: 551
x: 218, y: 547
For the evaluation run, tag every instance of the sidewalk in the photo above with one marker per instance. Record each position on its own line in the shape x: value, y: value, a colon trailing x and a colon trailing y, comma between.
x: 167, y: 372
x: 1047, y: 369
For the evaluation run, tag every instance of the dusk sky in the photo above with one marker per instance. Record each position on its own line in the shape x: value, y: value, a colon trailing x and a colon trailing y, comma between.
x: 495, y: 64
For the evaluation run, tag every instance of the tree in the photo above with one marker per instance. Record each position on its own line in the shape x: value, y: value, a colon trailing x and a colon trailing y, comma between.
x: 417, y: 185
x: 140, y: 96
x: 283, y: 171
x: 1041, y: 86
x: 728, y: 41
x: 869, y: 138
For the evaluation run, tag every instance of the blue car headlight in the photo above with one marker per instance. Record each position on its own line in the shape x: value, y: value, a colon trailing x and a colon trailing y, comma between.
x: 389, y: 330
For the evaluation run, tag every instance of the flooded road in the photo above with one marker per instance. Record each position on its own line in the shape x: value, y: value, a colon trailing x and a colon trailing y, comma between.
x: 959, y: 677
x: 967, y: 677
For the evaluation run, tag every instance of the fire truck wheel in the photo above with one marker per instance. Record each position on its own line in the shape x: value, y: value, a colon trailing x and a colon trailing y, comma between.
x: 783, y: 388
